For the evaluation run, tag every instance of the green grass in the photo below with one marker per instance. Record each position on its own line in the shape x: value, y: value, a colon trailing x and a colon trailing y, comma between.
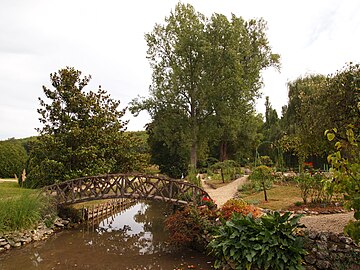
x: 279, y: 197
x: 12, y: 190
x: 21, y: 208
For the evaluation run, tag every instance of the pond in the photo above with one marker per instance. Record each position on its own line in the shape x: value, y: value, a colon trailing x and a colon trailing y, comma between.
x: 133, y: 239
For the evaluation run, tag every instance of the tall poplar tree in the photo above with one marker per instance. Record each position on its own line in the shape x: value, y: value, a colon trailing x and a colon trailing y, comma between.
x: 206, y: 73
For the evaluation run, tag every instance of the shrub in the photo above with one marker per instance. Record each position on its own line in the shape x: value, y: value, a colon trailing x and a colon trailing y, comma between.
x: 265, y: 243
x: 187, y: 227
x: 208, y: 202
x: 305, y: 183
x: 229, y: 169
x: 266, y: 160
x: 240, y: 207
x: 315, y: 187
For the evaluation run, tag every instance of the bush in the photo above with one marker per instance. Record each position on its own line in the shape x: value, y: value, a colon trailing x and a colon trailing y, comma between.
x: 265, y: 243
x: 240, y: 207
x: 266, y: 160
x: 188, y: 226
x: 315, y: 187
x: 228, y: 169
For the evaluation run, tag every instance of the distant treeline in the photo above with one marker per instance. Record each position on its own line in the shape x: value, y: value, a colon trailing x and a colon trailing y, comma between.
x: 14, y: 153
x: 13, y: 156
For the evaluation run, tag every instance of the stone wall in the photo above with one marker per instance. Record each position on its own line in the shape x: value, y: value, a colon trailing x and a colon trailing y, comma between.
x: 20, y: 238
x: 331, y: 251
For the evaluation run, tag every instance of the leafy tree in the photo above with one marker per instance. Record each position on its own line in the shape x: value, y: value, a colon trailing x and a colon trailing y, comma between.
x: 271, y: 127
x: 346, y: 168
x: 263, y: 176
x: 82, y: 133
x: 206, y: 73
x: 168, y: 151
x: 318, y: 103
x: 238, y: 51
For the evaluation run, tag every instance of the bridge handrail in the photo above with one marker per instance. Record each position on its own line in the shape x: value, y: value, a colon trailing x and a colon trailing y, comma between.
x: 62, y: 189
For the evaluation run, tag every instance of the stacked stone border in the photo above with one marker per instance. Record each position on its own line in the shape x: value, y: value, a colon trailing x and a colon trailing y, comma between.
x: 332, y: 251
x: 20, y: 238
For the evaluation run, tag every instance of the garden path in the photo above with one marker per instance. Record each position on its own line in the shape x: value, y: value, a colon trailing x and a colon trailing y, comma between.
x: 325, y: 223
x: 224, y: 193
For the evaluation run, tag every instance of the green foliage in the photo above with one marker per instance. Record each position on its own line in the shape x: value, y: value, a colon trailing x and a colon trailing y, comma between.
x: 305, y: 182
x: 315, y: 186
x: 263, y: 176
x: 13, y: 158
x: 249, y: 188
x: 265, y: 243
x: 24, y: 211
x: 206, y: 75
x: 346, y: 169
x: 318, y: 103
x: 82, y: 133
x: 266, y: 160
x: 229, y: 170
x: 168, y: 152
x: 193, y: 177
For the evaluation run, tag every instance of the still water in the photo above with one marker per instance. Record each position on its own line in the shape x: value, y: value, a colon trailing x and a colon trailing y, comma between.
x: 133, y: 239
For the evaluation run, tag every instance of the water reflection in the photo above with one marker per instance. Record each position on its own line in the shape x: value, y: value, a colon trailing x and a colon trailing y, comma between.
x: 134, y: 239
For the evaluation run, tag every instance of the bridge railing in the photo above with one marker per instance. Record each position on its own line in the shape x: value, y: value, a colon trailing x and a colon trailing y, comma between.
x: 136, y: 186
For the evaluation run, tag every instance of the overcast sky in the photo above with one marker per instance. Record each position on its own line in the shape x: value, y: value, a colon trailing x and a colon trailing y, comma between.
x: 106, y: 39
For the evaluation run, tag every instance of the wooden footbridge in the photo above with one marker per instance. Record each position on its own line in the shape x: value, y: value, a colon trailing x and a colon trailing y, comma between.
x: 134, y: 186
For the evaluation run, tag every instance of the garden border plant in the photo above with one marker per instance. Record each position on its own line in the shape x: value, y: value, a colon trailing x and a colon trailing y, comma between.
x: 265, y: 243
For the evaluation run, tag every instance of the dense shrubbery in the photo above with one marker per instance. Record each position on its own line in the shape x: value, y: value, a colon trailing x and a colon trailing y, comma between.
x: 316, y: 187
x: 189, y: 226
x: 226, y: 170
x: 240, y: 207
x: 13, y: 158
x: 237, y: 238
x: 346, y: 169
x: 265, y: 243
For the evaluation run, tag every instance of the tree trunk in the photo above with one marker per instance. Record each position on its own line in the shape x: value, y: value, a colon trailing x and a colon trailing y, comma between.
x: 222, y: 175
x: 223, y: 151
x: 193, y: 155
x: 264, y: 189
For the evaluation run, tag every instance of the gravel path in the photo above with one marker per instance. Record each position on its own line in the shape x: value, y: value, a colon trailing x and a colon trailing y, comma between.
x: 224, y: 193
x: 325, y: 223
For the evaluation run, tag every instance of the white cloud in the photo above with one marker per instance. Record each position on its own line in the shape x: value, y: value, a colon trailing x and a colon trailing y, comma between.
x: 106, y: 39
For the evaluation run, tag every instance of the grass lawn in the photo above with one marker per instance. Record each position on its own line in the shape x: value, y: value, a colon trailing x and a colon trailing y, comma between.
x: 11, y: 189
x: 279, y: 197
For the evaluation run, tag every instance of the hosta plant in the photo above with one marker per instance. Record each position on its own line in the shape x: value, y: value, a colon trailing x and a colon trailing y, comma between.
x: 265, y: 243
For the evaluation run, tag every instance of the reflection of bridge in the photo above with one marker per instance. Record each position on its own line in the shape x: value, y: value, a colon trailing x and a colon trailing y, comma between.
x: 135, y: 186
